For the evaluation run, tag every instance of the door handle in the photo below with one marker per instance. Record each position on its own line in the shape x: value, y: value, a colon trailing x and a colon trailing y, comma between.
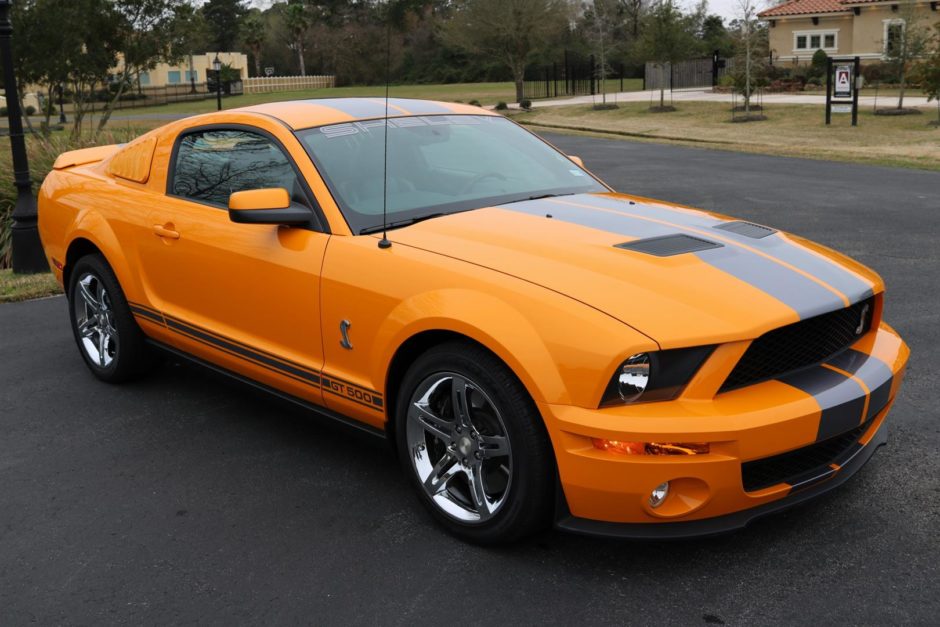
x: 161, y: 231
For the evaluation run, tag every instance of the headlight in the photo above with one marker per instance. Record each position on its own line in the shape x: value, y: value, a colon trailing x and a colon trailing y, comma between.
x: 654, y: 376
x: 634, y: 377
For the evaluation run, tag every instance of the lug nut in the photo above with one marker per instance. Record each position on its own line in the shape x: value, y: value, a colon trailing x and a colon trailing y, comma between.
x: 478, y: 454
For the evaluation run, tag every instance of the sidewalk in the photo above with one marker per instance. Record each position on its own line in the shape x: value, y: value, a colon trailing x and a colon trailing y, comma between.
x: 884, y: 100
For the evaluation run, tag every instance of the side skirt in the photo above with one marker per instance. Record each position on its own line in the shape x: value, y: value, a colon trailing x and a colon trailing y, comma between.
x: 312, y: 407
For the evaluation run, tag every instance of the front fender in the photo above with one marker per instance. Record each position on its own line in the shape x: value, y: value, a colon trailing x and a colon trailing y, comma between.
x: 484, y: 318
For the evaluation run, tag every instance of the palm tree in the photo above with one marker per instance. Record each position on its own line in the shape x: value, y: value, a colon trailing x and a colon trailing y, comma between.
x: 253, y: 33
x: 298, y: 21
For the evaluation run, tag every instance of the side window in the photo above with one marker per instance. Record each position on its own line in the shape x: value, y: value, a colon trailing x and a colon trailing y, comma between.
x: 212, y: 165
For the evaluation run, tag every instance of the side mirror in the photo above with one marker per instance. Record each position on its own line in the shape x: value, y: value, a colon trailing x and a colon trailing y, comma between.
x: 577, y: 161
x: 266, y: 206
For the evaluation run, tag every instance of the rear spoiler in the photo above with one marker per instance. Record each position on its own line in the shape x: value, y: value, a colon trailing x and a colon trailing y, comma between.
x: 84, y: 156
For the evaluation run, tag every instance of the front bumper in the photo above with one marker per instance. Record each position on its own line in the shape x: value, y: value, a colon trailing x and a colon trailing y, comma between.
x: 607, y: 494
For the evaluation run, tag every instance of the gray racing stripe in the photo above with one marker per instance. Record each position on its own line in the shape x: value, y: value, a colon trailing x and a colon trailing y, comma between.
x: 841, y: 399
x: 854, y: 287
x: 805, y: 296
x: 356, y: 107
x: 875, y: 373
x: 419, y: 107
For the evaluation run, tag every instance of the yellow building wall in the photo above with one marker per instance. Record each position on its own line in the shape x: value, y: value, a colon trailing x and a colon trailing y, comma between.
x: 178, y: 73
x: 856, y: 35
x: 783, y: 37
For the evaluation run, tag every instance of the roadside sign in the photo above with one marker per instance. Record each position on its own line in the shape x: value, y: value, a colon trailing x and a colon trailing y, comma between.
x: 843, y: 86
x: 841, y: 90
x: 269, y: 71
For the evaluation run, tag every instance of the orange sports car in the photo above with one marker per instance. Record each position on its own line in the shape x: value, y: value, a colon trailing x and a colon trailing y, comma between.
x: 538, y: 347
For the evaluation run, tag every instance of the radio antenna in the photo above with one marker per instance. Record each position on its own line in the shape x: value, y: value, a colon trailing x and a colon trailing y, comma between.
x: 384, y: 243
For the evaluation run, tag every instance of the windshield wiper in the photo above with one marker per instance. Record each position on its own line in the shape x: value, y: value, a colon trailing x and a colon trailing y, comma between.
x: 536, y: 197
x: 378, y: 228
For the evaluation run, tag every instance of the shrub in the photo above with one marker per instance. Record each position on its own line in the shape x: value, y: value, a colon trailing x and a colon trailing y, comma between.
x: 525, y: 103
x: 879, y: 72
x: 30, y: 110
x: 501, y: 106
x: 475, y: 103
x: 3, y: 111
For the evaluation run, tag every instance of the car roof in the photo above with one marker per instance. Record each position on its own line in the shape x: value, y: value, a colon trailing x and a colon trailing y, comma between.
x: 299, y: 114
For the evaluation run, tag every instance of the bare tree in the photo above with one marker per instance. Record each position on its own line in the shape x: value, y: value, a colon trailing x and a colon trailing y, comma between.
x: 908, y: 39
x: 599, y: 19
x: 507, y: 31
x: 751, y: 64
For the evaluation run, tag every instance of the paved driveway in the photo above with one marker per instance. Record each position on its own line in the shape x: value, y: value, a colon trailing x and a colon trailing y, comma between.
x: 184, y: 498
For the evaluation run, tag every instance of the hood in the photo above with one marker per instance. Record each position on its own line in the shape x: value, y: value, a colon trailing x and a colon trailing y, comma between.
x: 680, y: 276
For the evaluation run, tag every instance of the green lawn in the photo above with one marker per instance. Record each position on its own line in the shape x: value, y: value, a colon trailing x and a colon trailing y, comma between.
x: 485, y: 93
x: 15, y: 287
x: 791, y: 130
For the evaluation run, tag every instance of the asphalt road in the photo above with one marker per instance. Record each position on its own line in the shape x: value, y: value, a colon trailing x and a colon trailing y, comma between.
x: 184, y: 498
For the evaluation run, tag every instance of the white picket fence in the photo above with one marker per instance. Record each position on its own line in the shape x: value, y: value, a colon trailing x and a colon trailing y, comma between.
x: 267, y: 84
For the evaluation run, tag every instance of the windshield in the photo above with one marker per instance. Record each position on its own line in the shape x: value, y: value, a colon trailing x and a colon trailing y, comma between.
x: 437, y: 165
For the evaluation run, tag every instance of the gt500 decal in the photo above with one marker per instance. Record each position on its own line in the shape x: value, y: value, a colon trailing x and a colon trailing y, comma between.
x: 297, y: 372
x: 363, y: 396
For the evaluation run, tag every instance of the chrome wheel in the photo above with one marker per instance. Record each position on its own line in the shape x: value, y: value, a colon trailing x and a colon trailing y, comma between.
x: 94, y: 319
x: 459, y: 447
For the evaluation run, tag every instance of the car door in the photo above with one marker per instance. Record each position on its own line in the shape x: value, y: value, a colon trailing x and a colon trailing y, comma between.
x: 243, y: 296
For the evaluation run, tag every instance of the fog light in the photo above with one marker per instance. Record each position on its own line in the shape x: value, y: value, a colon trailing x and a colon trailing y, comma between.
x: 659, y: 494
x: 618, y: 446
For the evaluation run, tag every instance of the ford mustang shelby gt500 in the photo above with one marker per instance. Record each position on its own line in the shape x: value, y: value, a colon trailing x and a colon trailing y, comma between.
x: 537, y: 346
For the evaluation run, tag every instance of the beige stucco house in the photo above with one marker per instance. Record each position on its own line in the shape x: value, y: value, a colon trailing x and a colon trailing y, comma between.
x: 844, y: 28
x: 164, y: 74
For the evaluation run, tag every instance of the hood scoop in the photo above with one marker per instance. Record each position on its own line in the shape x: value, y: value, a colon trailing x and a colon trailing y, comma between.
x: 747, y: 229
x: 669, y: 245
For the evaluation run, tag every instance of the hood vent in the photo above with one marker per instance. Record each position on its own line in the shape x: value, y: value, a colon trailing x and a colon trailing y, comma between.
x: 747, y: 229
x: 669, y: 245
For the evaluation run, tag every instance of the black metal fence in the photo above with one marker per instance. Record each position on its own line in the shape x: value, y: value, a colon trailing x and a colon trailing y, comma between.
x: 690, y: 74
x: 574, y: 76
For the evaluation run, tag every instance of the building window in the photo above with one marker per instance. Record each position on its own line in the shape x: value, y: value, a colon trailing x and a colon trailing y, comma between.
x: 173, y: 77
x: 894, y: 36
x: 144, y: 78
x: 192, y: 75
x: 811, y: 41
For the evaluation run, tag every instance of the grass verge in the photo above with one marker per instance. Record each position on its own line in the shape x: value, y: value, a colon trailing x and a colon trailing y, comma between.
x: 17, y: 287
x: 790, y: 130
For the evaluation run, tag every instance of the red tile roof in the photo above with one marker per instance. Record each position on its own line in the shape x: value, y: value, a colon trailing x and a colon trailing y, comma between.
x: 805, y: 7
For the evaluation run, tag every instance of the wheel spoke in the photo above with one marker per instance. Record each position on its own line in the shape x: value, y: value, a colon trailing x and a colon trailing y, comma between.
x: 493, y: 446
x: 442, y: 472
x: 458, y: 392
x: 102, y: 340
x: 434, y: 424
x: 89, y: 298
x: 87, y: 328
x: 477, y: 493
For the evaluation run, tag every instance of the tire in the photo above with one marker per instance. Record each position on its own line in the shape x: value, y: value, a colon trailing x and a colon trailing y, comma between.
x: 488, y: 477
x: 108, y: 338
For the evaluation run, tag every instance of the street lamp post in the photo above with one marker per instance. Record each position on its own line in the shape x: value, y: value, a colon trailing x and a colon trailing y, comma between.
x: 217, y: 66
x: 28, y: 256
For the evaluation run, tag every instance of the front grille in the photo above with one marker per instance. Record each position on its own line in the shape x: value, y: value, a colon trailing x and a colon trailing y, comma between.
x: 801, y: 344
x: 800, y: 465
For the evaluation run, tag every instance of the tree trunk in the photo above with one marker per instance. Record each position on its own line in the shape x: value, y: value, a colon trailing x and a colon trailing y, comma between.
x: 109, y: 108
x: 192, y: 75
x: 903, y: 80
x: 518, y: 76
x: 257, y: 53
x: 300, y: 58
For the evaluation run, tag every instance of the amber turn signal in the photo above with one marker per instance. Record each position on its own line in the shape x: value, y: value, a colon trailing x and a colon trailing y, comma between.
x: 651, y: 448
